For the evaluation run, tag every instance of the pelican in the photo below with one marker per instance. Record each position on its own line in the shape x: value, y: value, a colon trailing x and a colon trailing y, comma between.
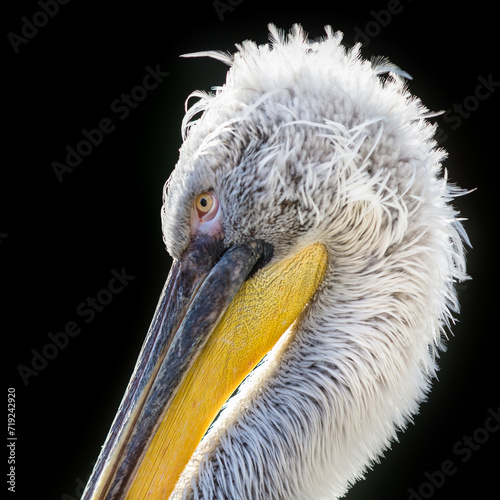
x: 316, y: 252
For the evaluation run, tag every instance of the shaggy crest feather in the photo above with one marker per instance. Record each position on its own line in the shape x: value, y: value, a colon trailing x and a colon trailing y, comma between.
x: 306, y: 143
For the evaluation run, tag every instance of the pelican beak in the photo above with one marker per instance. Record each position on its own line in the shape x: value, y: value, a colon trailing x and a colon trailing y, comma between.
x: 218, y: 315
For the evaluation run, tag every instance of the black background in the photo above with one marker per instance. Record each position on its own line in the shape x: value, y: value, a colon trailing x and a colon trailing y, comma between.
x: 59, y: 241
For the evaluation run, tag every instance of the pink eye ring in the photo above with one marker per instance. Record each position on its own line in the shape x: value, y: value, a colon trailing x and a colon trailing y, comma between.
x: 206, y: 205
x: 206, y: 214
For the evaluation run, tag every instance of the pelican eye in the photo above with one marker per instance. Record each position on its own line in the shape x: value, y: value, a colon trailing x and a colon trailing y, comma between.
x: 207, y: 206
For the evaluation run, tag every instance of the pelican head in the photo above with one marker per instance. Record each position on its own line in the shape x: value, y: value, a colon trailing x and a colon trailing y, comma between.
x: 315, y: 254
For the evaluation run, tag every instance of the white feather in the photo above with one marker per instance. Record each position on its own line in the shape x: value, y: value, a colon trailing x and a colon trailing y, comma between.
x: 305, y: 143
